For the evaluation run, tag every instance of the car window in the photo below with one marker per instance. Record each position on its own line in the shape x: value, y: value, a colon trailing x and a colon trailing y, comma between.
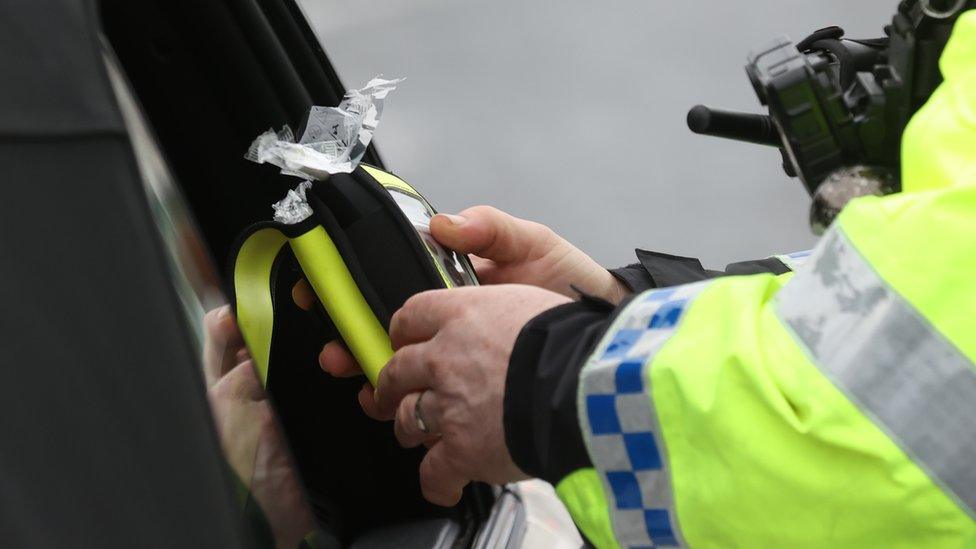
x: 268, y: 486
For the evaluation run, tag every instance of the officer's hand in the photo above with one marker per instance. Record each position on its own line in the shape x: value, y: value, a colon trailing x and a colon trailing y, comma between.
x: 504, y: 249
x: 453, y: 347
x: 248, y: 430
x: 507, y: 249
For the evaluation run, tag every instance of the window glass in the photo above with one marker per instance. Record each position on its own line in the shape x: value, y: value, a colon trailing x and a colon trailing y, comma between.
x: 270, y: 493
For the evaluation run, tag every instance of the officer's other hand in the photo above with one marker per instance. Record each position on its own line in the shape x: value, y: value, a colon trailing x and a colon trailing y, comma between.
x: 334, y: 358
x: 453, y: 347
x: 507, y: 249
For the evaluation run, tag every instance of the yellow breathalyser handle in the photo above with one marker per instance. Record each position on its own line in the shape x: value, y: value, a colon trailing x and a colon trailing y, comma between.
x: 254, y: 301
x: 332, y: 282
x: 337, y: 291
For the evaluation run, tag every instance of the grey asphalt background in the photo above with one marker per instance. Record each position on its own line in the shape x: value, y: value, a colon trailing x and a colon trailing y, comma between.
x: 573, y: 113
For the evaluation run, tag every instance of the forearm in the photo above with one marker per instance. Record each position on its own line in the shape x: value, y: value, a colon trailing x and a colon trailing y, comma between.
x: 541, y: 420
x: 541, y: 417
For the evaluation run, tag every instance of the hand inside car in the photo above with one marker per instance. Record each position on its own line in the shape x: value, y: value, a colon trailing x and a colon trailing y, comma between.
x: 248, y: 430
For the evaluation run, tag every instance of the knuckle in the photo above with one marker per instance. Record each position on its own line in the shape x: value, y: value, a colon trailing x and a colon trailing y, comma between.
x: 383, y: 401
x: 393, y: 371
x: 434, y: 407
x: 397, y: 327
x: 390, y: 374
x: 438, y: 370
x: 465, y: 315
x: 221, y: 390
x: 412, y: 303
x: 544, y: 232
x: 482, y: 209
x: 414, y: 354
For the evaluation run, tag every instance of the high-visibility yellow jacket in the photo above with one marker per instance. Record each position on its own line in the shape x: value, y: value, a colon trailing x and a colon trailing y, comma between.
x: 834, y: 407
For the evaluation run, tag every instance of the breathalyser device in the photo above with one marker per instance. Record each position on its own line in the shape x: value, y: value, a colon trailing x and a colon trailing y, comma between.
x: 365, y: 249
x: 360, y: 235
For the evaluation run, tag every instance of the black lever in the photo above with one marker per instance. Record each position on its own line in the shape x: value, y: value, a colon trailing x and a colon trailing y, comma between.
x: 752, y: 128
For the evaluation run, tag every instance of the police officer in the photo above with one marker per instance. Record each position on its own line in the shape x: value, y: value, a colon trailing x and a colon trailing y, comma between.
x: 834, y: 406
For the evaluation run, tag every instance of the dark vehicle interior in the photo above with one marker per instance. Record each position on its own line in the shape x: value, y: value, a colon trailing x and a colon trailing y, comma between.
x: 210, y: 76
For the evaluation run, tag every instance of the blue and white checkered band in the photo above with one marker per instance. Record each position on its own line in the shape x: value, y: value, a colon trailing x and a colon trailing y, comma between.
x: 794, y: 260
x: 619, y: 422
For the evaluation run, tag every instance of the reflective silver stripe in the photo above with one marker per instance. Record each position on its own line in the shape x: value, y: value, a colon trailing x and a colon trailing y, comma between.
x: 619, y: 421
x: 794, y: 260
x: 897, y: 368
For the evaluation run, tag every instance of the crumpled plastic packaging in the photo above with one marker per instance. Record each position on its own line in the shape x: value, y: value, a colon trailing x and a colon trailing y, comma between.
x: 335, y: 138
x: 293, y: 208
x: 334, y: 141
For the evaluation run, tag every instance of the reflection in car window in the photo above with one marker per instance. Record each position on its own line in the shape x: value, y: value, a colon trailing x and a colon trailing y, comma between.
x: 268, y: 484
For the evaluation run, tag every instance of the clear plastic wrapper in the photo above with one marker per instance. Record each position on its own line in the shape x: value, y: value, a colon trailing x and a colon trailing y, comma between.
x: 293, y: 208
x: 334, y: 141
x: 335, y: 138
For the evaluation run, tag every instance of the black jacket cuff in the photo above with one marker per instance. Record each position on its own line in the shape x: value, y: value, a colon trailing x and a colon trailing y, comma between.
x: 540, y: 418
x: 634, y: 277
x: 659, y: 270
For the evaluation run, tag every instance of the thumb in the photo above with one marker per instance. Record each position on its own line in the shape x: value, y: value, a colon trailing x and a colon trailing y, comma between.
x: 489, y: 233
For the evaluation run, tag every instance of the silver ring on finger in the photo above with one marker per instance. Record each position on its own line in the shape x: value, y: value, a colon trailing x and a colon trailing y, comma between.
x: 421, y: 424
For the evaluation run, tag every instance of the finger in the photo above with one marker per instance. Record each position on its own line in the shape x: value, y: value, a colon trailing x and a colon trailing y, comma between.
x: 221, y: 326
x: 242, y: 355
x: 407, y: 372
x: 480, y: 263
x: 240, y: 383
x: 222, y: 343
x: 407, y: 426
x: 485, y: 231
x: 485, y: 268
x: 422, y: 316
x: 338, y: 361
x: 440, y: 482
x: 303, y: 296
x: 367, y: 402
